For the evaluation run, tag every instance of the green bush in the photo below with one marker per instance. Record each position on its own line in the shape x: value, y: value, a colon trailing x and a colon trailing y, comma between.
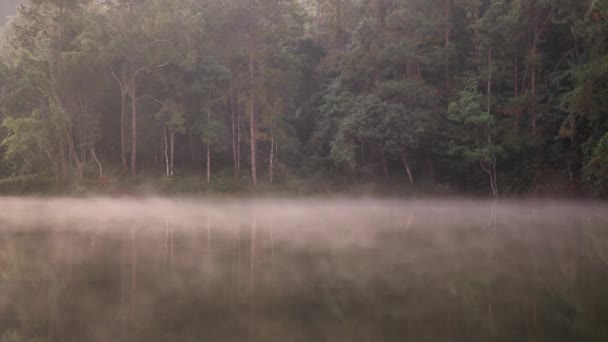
x: 26, y: 184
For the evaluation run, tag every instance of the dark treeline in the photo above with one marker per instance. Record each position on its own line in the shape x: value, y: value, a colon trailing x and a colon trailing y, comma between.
x: 498, y: 96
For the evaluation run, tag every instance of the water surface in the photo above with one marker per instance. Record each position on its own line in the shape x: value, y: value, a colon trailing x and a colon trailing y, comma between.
x: 302, y: 270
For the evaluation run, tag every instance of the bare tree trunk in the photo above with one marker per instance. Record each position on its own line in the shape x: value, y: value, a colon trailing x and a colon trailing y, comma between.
x: 272, y: 128
x: 533, y: 87
x: 538, y: 32
x: 448, y: 28
x: 120, y: 80
x: 166, y: 152
x: 252, y: 123
x: 407, y: 168
x: 491, y: 171
x: 384, y: 164
x: 134, y: 126
x: 162, y: 150
x: 489, y: 86
x: 476, y: 34
x: 208, y: 164
x: 208, y: 150
x: 49, y: 155
x: 64, y: 165
x: 276, y: 157
x: 97, y: 161
x: 193, y: 155
x: 59, y: 89
x: 239, y: 124
x: 172, y: 151
x: 233, y: 126
x: 83, y: 143
x: 517, y: 113
x: 123, y: 133
x: 73, y: 152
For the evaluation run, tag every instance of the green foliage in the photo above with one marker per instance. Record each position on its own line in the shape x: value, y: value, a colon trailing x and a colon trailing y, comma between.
x: 472, y: 139
x: 172, y: 115
x: 595, y: 172
x: 474, y: 133
x: 27, y: 184
x: 344, y: 90
x: 27, y: 137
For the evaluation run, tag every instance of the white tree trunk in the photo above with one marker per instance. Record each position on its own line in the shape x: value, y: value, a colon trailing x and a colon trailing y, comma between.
x: 172, y: 151
x: 97, y: 161
x: 272, y: 129
x: 208, y: 164
x: 407, y: 168
x: 166, y: 154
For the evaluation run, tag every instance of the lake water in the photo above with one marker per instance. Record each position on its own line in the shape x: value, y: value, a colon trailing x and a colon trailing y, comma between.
x: 302, y: 270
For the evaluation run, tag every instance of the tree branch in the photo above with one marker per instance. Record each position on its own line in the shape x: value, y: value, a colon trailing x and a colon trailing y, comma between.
x: 151, y: 98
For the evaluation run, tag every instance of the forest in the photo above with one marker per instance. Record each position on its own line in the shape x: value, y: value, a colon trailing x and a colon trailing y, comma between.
x: 487, y: 97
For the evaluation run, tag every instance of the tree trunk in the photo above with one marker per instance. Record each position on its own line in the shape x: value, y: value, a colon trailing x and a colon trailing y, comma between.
x: 431, y: 168
x: 166, y: 152
x: 162, y: 149
x: 73, y: 153
x: 208, y: 164
x: 123, y: 133
x: 447, y: 30
x: 252, y: 123
x: 538, y: 31
x: 534, y: 16
x: 239, y: 124
x: 233, y: 130
x: 64, y: 164
x: 533, y: 89
x: 491, y: 171
x: 272, y: 128
x: 134, y: 126
x: 476, y: 34
x: 517, y: 111
x: 407, y: 168
x: 172, y: 151
x: 208, y: 149
x: 97, y: 161
x: 384, y: 164
x: 489, y: 86
x: 122, y: 84
x: 192, y: 154
x: 83, y: 143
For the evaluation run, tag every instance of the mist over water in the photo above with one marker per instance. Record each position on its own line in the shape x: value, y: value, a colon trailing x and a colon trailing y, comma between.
x: 156, y: 269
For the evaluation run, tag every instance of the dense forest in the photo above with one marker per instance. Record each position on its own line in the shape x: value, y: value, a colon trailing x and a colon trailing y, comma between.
x: 497, y: 97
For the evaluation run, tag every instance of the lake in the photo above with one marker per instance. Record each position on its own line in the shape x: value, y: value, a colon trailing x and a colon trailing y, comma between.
x: 155, y: 269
